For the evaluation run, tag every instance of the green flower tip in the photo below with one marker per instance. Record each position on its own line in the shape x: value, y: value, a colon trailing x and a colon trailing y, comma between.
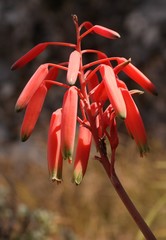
x: 122, y: 116
x: 58, y: 181
x: 77, y: 178
x: 67, y: 155
x: 143, y: 149
x: 18, y: 108
x: 56, y: 176
x: 24, y: 137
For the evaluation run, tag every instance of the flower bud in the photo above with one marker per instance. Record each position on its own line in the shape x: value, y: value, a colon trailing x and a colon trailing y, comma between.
x: 32, y: 112
x: 54, y: 155
x: 113, y: 92
x: 82, y: 153
x: 69, y: 118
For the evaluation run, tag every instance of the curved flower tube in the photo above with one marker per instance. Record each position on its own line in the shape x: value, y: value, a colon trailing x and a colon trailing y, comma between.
x: 69, y: 118
x: 31, y: 87
x: 54, y: 155
x: 113, y: 92
x: 135, y: 74
x: 134, y: 123
x: 32, y: 112
x: 73, y: 67
x: 82, y: 154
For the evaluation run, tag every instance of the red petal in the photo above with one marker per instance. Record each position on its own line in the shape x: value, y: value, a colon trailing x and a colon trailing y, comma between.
x: 113, y: 92
x: 73, y: 67
x: 32, y: 112
x: 69, y: 118
x: 34, y: 52
x: 105, y: 32
x: 102, y: 55
x: 121, y: 66
x: 31, y: 87
x: 87, y: 25
x: 82, y: 153
x: 134, y: 123
x: 135, y: 74
x: 52, y: 74
x: 99, y: 94
x: 92, y: 83
x: 54, y: 155
x: 114, y: 140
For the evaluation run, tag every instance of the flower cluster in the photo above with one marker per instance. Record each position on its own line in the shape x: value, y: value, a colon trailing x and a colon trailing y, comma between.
x: 102, y: 98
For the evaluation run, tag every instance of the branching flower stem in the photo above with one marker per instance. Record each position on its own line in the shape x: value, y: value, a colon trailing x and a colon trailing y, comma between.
x: 102, y: 98
x: 109, y: 166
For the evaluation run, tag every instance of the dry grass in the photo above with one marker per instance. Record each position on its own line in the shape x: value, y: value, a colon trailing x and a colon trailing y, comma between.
x: 89, y: 211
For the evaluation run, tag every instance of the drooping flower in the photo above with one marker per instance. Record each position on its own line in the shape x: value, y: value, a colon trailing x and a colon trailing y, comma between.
x: 31, y: 87
x: 114, y: 140
x: 54, y: 154
x: 82, y: 153
x: 105, y: 32
x: 113, y: 92
x: 99, y: 94
x: 32, y: 112
x: 69, y: 118
x: 102, y: 31
x: 134, y: 123
x: 92, y: 83
x: 35, y: 51
x: 135, y: 74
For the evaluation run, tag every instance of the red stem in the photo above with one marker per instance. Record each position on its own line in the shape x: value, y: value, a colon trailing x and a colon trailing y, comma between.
x: 127, y: 201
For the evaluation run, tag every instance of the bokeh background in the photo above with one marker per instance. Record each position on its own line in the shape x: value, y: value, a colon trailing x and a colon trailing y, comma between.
x: 31, y: 207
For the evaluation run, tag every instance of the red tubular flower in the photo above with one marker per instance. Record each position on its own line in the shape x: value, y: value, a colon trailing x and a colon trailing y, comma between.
x: 31, y: 87
x: 113, y: 92
x: 99, y: 94
x: 114, y: 140
x: 86, y: 24
x: 69, y: 118
x: 82, y: 153
x: 134, y: 123
x: 32, y: 112
x: 121, y: 66
x: 105, y: 32
x: 54, y: 155
x: 107, y: 116
x: 93, y: 82
x: 135, y: 74
x: 35, y: 51
x: 73, y: 67
x: 52, y: 74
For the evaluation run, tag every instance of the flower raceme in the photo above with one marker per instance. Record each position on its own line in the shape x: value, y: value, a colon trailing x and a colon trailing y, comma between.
x: 102, y: 97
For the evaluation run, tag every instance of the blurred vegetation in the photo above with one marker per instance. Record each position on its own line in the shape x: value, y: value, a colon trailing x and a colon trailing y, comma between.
x: 32, y: 207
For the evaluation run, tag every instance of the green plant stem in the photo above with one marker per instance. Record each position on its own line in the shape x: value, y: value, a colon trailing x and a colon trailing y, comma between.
x: 127, y: 201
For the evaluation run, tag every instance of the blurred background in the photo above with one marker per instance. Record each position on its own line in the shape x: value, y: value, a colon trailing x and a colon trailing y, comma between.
x: 31, y: 207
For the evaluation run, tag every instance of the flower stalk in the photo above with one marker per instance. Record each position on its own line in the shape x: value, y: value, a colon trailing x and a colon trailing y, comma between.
x: 103, y: 99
